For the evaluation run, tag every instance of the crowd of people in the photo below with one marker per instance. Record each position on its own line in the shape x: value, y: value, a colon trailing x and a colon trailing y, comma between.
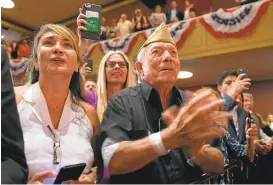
x: 17, y: 49
x: 125, y: 131
x: 139, y: 22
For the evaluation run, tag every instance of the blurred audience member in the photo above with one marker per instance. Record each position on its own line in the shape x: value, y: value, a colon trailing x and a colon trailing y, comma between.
x: 157, y: 17
x: 124, y: 26
x: 24, y: 49
x: 112, y: 31
x: 230, y: 86
x: 188, y: 6
x: 104, y: 29
x: 14, y: 49
x: 139, y: 22
x: 192, y: 13
x: 90, y: 93
x: 269, y: 121
x: 90, y: 86
x: 115, y: 73
x: 249, y: 106
x: 7, y: 47
x: 231, y: 148
x: 173, y: 14
x: 263, y: 145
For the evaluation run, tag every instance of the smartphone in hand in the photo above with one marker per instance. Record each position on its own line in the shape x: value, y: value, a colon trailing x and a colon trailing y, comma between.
x: 71, y: 172
x: 243, y: 71
x: 89, y: 63
x: 93, y: 17
x: 250, y: 119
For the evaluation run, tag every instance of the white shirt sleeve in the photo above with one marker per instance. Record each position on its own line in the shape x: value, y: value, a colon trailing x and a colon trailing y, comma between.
x: 108, y: 149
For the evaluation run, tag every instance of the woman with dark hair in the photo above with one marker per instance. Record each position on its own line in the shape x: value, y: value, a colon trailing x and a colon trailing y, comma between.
x: 58, y: 125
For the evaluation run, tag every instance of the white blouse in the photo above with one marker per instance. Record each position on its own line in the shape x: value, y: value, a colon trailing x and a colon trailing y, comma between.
x: 75, y: 133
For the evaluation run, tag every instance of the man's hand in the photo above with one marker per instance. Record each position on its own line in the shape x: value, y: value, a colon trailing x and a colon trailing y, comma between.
x: 192, y: 125
x: 84, y: 179
x: 38, y: 178
x: 261, y: 146
x: 213, y: 155
x: 252, y: 132
x: 269, y: 145
x: 238, y: 86
x: 251, y: 135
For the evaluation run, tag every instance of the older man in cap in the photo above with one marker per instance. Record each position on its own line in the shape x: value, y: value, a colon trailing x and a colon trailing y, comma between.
x: 150, y: 134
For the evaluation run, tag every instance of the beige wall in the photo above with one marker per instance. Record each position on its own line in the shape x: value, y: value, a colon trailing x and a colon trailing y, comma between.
x: 262, y: 92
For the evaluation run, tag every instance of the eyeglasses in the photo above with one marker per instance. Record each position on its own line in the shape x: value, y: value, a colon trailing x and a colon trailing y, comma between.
x: 112, y: 64
x: 57, y: 152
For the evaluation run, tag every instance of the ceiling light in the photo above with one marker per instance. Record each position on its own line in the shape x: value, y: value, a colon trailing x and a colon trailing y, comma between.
x: 2, y: 36
x: 6, y: 4
x: 184, y: 74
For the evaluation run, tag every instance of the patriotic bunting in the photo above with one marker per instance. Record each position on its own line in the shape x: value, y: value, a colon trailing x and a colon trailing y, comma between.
x: 236, y: 22
x: 124, y: 44
x: 178, y: 30
x: 18, y: 67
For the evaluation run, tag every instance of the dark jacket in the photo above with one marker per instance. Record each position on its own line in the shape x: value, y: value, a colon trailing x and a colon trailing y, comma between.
x: 179, y: 15
x: 242, y: 115
x: 14, y: 168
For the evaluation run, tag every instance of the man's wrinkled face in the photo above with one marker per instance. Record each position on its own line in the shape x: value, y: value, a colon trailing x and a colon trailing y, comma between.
x: 161, y: 64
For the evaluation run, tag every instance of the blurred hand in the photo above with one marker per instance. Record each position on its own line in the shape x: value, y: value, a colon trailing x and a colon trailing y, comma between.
x: 252, y: 132
x: 85, y: 70
x: 192, y: 125
x: 216, y: 157
x: 269, y: 145
x: 84, y: 179
x: 38, y: 178
x: 239, y: 85
x: 261, y: 146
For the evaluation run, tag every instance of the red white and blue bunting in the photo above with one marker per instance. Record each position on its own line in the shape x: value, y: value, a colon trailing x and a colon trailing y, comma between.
x: 18, y: 67
x: 178, y: 30
x: 236, y: 22
x: 122, y: 43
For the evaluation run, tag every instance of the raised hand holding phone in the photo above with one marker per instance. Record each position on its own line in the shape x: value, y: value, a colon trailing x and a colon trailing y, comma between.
x: 88, y: 27
x: 92, y: 14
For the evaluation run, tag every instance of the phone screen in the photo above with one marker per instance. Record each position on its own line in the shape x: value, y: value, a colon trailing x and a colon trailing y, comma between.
x: 92, y: 19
